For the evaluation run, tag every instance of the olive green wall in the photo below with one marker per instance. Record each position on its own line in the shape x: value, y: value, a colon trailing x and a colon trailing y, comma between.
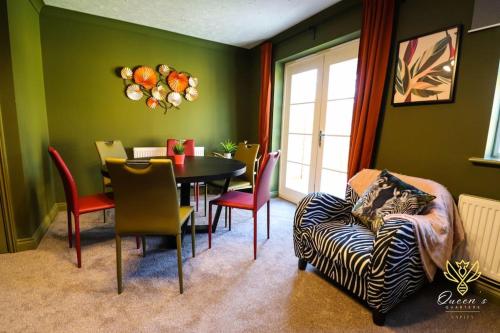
x: 431, y: 141
x: 435, y: 141
x: 86, y: 100
x: 24, y: 119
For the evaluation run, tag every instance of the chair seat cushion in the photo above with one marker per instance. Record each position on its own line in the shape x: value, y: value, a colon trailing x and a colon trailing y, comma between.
x: 95, y: 202
x: 235, y: 184
x: 235, y: 199
x: 184, y: 212
x: 349, y: 245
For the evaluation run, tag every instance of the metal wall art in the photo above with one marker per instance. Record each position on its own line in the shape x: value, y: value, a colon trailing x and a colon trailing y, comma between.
x: 165, y: 87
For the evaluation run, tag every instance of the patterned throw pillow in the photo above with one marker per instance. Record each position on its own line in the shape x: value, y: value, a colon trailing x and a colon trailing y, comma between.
x: 389, y: 195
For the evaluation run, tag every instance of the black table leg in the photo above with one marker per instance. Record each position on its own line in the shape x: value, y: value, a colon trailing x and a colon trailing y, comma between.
x: 204, y: 228
x: 219, y: 208
x: 185, y: 194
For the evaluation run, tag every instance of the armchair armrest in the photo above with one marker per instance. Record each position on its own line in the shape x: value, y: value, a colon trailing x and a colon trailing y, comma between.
x: 396, y: 268
x: 320, y: 207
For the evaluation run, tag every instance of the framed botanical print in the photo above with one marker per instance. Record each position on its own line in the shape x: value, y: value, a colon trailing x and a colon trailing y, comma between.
x: 426, y: 68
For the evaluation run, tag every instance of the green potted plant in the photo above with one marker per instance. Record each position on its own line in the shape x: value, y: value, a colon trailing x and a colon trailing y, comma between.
x: 228, y: 147
x: 179, y: 154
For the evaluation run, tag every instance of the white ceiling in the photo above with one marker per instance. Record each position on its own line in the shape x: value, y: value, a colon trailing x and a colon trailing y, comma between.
x: 243, y: 23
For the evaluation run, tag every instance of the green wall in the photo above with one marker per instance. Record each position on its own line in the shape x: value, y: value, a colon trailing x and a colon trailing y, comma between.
x: 435, y: 141
x: 86, y: 101
x: 431, y: 141
x: 24, y: 120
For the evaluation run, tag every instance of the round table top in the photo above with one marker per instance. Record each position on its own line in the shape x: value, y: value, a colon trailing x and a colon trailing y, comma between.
x: 200, y: 168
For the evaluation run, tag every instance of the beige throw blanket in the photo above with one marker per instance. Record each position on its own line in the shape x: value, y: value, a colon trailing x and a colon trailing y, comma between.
x: 438, y: 231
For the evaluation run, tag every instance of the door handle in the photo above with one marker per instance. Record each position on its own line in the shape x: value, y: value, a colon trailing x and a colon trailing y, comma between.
x: 321, y: 135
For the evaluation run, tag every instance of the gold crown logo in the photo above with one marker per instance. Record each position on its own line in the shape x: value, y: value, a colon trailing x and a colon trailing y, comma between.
x: 462, y: 274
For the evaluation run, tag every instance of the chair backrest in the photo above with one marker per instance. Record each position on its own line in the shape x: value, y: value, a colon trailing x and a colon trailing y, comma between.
x: 145, y: 197
x: 262, y: 193
x: 188, y: 147
x: 113, y: 148
x: 149, y: 151
x: 247, y: 153
x: 70, y: 189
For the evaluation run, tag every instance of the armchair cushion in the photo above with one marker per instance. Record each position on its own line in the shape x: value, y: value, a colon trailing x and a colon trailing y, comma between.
x: 348, y: 245
x: 389, y: 195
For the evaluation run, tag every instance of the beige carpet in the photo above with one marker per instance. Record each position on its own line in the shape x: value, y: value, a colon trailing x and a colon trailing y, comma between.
x: 225, y: 290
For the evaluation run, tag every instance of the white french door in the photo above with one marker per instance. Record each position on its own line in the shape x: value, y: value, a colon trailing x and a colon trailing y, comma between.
x: 317, y: 112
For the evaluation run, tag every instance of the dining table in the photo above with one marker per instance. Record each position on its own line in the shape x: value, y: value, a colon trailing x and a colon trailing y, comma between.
x: 197, y: 169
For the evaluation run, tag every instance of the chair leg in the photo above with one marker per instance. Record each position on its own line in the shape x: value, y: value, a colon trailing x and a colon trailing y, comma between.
x: 197, y: 194
x: 229, y: 218
x: 210, y: 225
x: 77, y: 241
x: 302, y: 264
x: 137, y: 242
x: 206, y: 196
x: 378, y: 318
x: 143, y: 246
x: 179, y: 261
x: 104, y: 217
x: 254, y: 235
x: 225, y: 217
x: 268, y: 217
x: 119, y: 263
x: 70, y: 230
x: 193, y: 234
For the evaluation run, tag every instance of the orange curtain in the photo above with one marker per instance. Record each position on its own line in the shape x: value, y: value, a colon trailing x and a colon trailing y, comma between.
x: 373, y: 59
x: 265, y: 96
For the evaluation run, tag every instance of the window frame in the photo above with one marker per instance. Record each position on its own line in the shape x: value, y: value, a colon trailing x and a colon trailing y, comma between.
x: 492, y: 150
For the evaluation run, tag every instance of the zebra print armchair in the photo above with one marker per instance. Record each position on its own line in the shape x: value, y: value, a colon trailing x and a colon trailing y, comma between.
x: 381, y: 269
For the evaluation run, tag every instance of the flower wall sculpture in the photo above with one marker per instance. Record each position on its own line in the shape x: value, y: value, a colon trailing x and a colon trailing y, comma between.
x: 165, y: 87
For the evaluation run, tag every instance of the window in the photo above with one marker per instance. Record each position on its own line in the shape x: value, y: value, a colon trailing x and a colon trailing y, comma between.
x: 493, y: 143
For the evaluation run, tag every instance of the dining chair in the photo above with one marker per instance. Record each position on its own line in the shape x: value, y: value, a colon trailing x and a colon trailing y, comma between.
x: 78, y: 205
x: 246, y: 153
x: 147, y: 204
x: 249, y: 201
x: 111, y: 148
x: 189, y: 150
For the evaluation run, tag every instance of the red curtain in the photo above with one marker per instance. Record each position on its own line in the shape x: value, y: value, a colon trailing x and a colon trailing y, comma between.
x: 373, y: 59
x: 265, y: 96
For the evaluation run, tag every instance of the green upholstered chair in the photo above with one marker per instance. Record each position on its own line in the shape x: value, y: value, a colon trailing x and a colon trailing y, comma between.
x: 112, y: 148
x: 246, y: 153
x: 146, y: 203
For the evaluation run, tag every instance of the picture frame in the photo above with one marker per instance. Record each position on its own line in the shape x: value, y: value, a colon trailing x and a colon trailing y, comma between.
x: 426, y: 68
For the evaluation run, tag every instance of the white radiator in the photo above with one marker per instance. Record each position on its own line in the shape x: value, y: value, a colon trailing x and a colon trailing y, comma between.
x: 149, y: 151
x: 199, y: 151
x: 481, y: 218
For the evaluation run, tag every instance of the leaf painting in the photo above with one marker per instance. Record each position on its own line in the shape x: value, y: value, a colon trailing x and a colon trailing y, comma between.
x: 425, y: 68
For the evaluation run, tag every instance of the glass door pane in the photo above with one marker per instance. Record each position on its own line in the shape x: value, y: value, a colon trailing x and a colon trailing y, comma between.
x: 317, y: 115
x: 300, y: 104
x: 339, y: 87
x: 300, y: 130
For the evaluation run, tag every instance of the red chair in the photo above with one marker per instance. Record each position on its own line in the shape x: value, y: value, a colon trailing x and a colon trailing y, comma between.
x: 188, y: 151
x: 76, y: 204
x: 248, y: 201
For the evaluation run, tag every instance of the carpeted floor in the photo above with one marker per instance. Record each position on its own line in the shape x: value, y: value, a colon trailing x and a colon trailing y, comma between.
x: 225, y: 290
